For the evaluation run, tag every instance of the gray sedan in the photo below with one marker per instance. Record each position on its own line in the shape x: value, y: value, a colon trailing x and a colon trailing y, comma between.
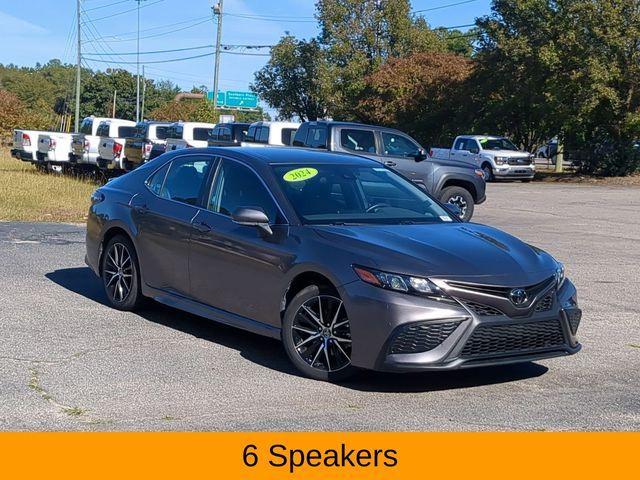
x: 346, y: 261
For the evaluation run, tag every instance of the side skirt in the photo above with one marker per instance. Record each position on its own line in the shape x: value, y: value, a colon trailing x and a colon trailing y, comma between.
x: 211, y: 313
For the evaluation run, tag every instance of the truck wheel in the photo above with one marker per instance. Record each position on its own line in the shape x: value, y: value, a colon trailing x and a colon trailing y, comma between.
x: 488, y: 173
x: 460, y: 197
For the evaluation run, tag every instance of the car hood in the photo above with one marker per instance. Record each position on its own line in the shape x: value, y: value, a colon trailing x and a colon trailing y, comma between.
x: 508, y: 153
x: 460, y: 251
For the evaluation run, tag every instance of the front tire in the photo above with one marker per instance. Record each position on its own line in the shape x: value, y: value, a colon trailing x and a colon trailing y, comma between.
x: 120, y: 274
x: 317, y: 336
x: 488, y: 173
x: 461, y: 197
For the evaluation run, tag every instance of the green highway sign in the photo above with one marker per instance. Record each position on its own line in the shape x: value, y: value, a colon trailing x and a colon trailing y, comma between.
x: 241, y: 99
x: 221, y: 97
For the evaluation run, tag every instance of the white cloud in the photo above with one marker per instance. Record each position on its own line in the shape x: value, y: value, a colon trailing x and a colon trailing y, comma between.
x: 14, y: 26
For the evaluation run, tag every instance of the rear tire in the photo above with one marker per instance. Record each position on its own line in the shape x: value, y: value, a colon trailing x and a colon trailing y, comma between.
x: 120, y: 274
x: 318, y: 345
x: 461, y: 197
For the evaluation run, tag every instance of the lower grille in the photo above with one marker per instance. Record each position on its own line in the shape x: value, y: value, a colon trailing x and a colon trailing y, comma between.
x: 421, y: 337
x: 513, y: 338
x: 545, y: 304
x: 574, y: 316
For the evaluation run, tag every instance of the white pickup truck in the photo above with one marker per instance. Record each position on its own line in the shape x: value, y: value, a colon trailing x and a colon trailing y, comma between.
x: 54, y: 151
x: 497, y: 156
x: 85, y: 142
x: 188, y: 135
x: 113, y: 137
x: 25, y: 145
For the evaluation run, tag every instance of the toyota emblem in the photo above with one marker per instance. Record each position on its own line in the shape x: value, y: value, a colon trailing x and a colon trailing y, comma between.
x: 518, y: 296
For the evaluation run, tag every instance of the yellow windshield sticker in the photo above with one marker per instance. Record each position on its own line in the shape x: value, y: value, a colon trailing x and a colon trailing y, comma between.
x: 300, y: 174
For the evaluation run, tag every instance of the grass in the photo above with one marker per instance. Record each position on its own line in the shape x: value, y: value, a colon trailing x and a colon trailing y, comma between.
x: 29, y: 195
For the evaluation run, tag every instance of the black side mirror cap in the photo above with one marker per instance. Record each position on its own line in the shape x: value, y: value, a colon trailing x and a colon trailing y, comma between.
x: 252, y: 217
x: 421, y: 155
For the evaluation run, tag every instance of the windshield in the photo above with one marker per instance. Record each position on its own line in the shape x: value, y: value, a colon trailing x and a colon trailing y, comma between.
x: 351, y: 194
x: 497, y: 144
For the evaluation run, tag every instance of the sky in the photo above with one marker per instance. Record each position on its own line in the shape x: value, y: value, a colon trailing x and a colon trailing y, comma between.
x: 39, y: 30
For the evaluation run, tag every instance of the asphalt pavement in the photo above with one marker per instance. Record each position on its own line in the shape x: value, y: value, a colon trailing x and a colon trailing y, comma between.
x: 69, y: 362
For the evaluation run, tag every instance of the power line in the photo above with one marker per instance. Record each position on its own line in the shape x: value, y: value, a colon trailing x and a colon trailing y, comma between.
x: 105, y: 6
x: 254, y: 17
x: 443, y: 6
x: 154, y: 51
x: 155, y: 28
x: 148, y: 62
x: 126, y: 11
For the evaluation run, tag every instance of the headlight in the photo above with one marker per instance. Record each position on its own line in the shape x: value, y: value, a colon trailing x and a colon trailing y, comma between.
x: 559, y: 275
x: 400, y: 283
x: 501, y: 160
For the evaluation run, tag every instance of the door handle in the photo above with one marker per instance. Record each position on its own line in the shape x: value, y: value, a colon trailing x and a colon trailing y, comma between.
x: 201, y: 227
x: 141, y: 209
x: 389, y: 163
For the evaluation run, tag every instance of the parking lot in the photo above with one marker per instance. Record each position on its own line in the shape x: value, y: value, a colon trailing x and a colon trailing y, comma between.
x: 68, y: 362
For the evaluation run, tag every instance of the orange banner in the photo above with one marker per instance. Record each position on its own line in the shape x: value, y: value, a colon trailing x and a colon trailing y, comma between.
x: 325, y: 456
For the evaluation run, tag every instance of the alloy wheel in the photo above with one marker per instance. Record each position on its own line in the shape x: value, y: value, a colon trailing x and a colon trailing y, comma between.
x: 118, y: 272
x: 322, y: 334
x: 460, y: 202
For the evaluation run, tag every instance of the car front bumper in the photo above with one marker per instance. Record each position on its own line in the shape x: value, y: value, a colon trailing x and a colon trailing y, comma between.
x: 398, y: 332
x: 514, y: 171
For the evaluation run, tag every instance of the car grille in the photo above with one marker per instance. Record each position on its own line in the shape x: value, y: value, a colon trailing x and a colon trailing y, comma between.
x: 519, y: 161
x: 493, y: 340
x: 545, y: 304
x: 482, y: 310
x: 532, y: 290
x: 574, y: 316
x: 422, y: 337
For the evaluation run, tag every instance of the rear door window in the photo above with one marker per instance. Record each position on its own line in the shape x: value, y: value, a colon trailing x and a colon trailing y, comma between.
x: 358, y: 140
x: 103, y: 130
x: 317, y: 137
x: 225, y: 134
x: 239, y: 132
x: 264, y: 135
x: 161, y: 132
x: 156, y: 181
x: 86, y: 126
x: 300, y: 137
x: 124, y: 132
x: 201, y: 133
x: 185, y: 179
x: 251, y: 134
x: 286, y: 135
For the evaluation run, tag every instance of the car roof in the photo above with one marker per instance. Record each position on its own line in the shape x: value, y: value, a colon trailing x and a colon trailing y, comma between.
x: 287, y: 155
x: 476, y: 137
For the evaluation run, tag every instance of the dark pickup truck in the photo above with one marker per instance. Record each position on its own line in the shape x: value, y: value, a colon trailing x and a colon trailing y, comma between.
x: 148, y: 141
x: 451, y: 182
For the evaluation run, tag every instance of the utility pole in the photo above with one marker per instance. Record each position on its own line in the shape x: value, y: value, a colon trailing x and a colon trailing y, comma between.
x: 113, y: 110
x: 217, y: 10
x: 144, y: 90
x: 138, y: 68
x: 78, y: 69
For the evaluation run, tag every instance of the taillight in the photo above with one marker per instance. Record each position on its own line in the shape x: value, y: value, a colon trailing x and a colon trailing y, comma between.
x: 189, y: 145
x: 117, y: 149
x: 52, y: 143
x: 431, y: 152
x: 26, y: 140
x: 86, y: 145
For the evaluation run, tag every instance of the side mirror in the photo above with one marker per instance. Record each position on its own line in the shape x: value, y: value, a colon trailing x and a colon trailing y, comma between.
x: 420, y: 156
x: 252, y: 217
x: 474, y: 150
x: 453, y: 209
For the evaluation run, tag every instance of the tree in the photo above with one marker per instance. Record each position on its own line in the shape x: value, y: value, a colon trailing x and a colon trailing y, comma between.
x: 190, y: 110
x: 14, y: 114
x: 422, y: 94
x: 294, y: 80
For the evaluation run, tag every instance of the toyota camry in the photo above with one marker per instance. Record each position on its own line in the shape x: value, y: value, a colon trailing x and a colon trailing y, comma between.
x: 348, y: 263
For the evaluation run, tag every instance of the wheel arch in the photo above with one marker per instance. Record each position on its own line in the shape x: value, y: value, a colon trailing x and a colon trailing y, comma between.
x: 302, y: 280
x: 455, y: 182
x: 109, y: 233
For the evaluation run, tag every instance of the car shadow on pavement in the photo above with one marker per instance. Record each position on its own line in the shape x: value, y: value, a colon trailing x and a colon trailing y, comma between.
x: 270, y: 354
